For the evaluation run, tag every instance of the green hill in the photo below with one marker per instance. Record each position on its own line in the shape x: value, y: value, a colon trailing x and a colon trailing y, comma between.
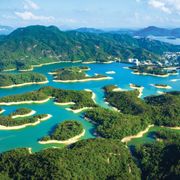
x: 35, y: 45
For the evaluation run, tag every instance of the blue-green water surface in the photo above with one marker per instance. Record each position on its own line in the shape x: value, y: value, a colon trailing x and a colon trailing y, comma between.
x: 28, y: 137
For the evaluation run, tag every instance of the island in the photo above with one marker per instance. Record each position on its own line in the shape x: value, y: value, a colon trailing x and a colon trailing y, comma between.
x: 152, y: 70
x: 8, y: 123
x: 66, y: 133
x: 75, y: 74
x: 78, y: 99
x: 22, y: 112
x: 21, y: 79
x: 161, y: 86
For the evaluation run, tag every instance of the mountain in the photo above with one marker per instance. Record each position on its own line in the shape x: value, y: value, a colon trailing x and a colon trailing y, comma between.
x: 89, y: 30
x: 35, y: 45
x: 156, y: 31
x: 5, y: 30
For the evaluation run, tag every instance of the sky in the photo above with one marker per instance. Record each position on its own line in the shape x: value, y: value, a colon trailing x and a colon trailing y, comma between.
x: 68, y: 14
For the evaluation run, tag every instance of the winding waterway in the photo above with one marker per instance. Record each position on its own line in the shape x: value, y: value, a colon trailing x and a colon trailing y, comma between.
x: 28, y: 137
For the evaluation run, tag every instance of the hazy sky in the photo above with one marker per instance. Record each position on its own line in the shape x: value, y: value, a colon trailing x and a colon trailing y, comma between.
x: 91, y: 13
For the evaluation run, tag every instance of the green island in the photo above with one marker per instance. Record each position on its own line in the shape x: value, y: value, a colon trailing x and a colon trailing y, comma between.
x: 161, y: 86
x: 75, y: 74
x: 8, y: 123
x: 160, y: 160
x: 78, y: 99
x: 152, y: 70
x: 21, y: 79
x: 22, y: 112
x: 66, y: 132
x: 161, y: 110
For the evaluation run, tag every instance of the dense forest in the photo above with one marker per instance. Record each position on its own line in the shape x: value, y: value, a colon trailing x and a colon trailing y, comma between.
x: 73, y: 73
x: 35, y: 45
x: 87, y: 159
x: 160, y: 160
x: 20, y: 78
x: 64, y: 131
x: 80, y: 98
x: 159, y: 109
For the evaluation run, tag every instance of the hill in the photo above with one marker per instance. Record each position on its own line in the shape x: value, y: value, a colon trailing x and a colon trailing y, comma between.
x: 35, y: 45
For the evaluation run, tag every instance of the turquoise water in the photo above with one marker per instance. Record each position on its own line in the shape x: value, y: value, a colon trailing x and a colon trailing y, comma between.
x: 28, y: 137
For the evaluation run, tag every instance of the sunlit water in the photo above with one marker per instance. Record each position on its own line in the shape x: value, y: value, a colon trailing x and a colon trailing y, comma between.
x: 28, y: 137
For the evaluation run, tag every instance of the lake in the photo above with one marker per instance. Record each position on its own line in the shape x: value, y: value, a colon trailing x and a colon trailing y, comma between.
x: 28, y: 137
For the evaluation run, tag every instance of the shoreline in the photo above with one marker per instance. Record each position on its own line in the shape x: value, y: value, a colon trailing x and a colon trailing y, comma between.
x: 66, y: 142
x: 64, y: 104
x: 89, y: 62
x: 25, y: 125
x: 24, y: 102
x: 2, y: 111
x: 78, y: 110
x: 148, y: 74
x: 24, y: 115
x: 139, y: 135
x: 83, y: 80
x: 93, y: 94
x: 161, y: 87
x: 140, y: 89
x: 173, y: 128
x: 24, y: 84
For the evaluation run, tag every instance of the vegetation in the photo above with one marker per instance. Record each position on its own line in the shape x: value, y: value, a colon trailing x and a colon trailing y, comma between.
x: 87, y: 159
x: 20, y: 78
x: 21, y: 111
x: 73, y: 73
x: 35, y: 45
x: 9, y: 122
x: 80, y: 98
x: 64, y: 131
x: 161, y: 110
x: 160, y: 160
x: 112, y: 124
x: 154, y: 70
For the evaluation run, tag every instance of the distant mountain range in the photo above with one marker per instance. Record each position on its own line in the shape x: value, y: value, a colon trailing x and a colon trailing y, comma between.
x: 34, y: 45
x: 149, y: 31
x: 5, y: 30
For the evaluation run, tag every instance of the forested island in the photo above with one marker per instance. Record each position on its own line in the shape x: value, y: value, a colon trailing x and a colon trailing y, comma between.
x: 22, y: 112
x: 152, y: 70
x: 77, y: 99
x: 161, y: 86
x: 75, y: 74
x: 67, y: 132
x: 30, y: 46
x: 21, y: 79
x: 8, y: 123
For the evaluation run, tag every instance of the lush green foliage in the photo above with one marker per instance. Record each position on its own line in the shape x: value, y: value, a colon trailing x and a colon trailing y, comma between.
x: 160, y: 160
x: 154, y: 70
x: 80, y: 98
x: 160, y: 109
x: 87, y: 159
x: 64, y: 131
x: 38, y: 44
x: 21, y: 111
x: 8, y: 121
x: 73, y: 73
x: 112, y: 124
x: 20, y: 78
